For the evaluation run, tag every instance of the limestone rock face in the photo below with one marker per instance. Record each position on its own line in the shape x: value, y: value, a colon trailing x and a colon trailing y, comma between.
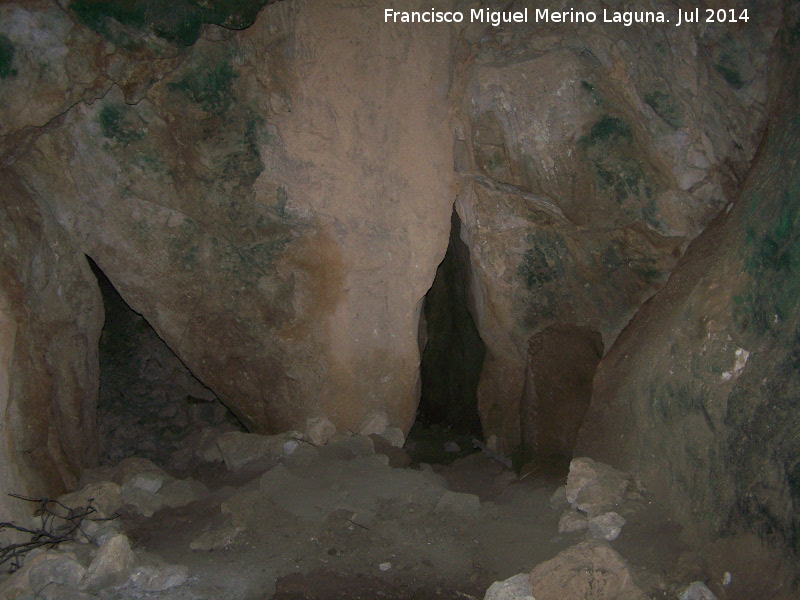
x: 50, y: 321
x: 586, y: 169
x: 699, y: 395
x: 272, y: 201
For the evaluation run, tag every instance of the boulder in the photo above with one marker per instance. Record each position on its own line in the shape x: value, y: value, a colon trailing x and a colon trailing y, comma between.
x: 240, y: 449
x: 517, y: 587
x: 589, y: 571
x: 62, y: 569
x: 607, y: 526
x: 594, y: 487
x: 319, y: 430
x: 572, y: 521
x: 111, y: 566
x: 105, y: 497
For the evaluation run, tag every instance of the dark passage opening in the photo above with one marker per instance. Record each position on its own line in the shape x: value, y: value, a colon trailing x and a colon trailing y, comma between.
x: 453, y: 355
x: 149, y: 400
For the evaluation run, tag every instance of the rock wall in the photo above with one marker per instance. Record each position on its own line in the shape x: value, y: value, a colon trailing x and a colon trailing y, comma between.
x: 51, y: 315
x: 699, y: 394
x: 589, y: 156
x: 274, y: 202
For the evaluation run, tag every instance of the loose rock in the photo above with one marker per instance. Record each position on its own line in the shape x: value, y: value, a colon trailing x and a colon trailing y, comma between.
x: 572, y: 521
x: 151, y: 578
x: 111, y: 567
x: 104, y: 497
x: 606, y: 526
x: 217, y: 539
x: 319, y: 430
x: 239, y: 449
x: 588, y: 571
x: 64, y: 569
x: 697, y: 591
x: 517, y: 587
x: 375, y: 422
x: 395, y: 437
x: 594, y: 487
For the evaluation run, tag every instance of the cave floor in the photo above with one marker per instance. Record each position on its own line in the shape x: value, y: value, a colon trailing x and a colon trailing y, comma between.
x: 321, y: 526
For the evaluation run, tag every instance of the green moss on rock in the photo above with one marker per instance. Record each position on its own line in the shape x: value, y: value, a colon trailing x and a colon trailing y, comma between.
x: 6, y: 58
x: 178, y: 21
x: 118, y: 125
x: 210, y: 87
x: 731, y: 75
x: 608, y: 130
x: 666, y: 107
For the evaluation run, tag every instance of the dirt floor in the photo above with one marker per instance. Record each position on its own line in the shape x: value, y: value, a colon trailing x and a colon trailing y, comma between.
x: 340, y: 521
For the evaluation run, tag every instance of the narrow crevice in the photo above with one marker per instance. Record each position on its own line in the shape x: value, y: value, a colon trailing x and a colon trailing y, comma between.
x: 453, y: 355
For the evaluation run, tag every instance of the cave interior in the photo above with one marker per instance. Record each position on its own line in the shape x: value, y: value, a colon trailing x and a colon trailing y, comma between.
x: 299, y: 303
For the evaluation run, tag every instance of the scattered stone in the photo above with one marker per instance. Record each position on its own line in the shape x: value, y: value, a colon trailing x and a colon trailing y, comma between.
x: 239, y: 449
x: 452, y: 447
x: 517, y: 587
x: 395, y: 437
x: 594, y: 487
x: 319, y: 430
x: 217, y: 539
x: 111, y: 567
x: 397, y: 455
x: 697, y: 591
x: 210, y: 452
x: 607, y: 526
x: 152, y: 578
x: 97, y: 532
x: 375, y: 422
x: 104, y: 497
x: 385, y: 566
x: 18, y: 584
x: 589, y: 571
x: 180, y: 492
x: 147, y: 481
x: 143, y: 502
x: 56, y: 591
x: 63, y: 569
x: 241, y: 506
x: 572, y: 521
x: 558, y: 501
x: 461, y: 504
x: 141, y: 472
x: 348, y: 447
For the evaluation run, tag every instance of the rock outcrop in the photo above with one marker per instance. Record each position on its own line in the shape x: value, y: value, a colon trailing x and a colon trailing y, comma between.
x: 273, y: 202
x: 589, y: 157
x: 51, y: 315
x: 699, y: 394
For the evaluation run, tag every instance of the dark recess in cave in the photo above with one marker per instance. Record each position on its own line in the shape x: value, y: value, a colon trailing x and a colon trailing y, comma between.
x: 562, y: 361
x: 453, y: 356
x: 149, y: 400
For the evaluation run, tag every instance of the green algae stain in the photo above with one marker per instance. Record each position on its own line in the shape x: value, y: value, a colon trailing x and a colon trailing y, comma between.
x: 209, y: 87
x: 666, y: 107
x: 609, y: 130
x: 117, y: 124
x: 177, y: 21
x: 6, y: 58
